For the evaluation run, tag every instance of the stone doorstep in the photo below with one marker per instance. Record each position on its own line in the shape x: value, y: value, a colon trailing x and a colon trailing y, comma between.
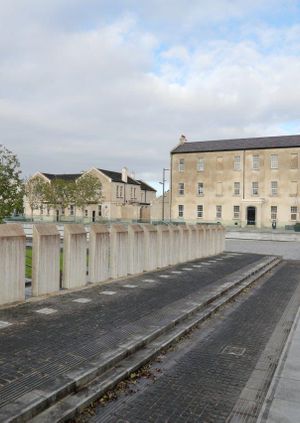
x: 76, y: 379
x: 70, y: 406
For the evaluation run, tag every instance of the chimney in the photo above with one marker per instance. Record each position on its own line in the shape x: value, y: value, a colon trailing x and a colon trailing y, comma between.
x: 182, y: 139
x: 124, y: 174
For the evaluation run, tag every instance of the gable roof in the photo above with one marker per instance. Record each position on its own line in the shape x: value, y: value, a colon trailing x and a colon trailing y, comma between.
x: 283, y: 141
x: 117, y: 177
x: 64, y: 176
x: 145, y: 187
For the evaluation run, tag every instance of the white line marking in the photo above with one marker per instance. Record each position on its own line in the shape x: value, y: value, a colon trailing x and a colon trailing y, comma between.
x: 197, y: 265
x: 129, y: 286
x: 82, y: 300
x: 46, y: 310
x: 187, y: 268
x: 107, y: 293
x: 149, y: 280
x: 176, y: 272
x: 165, y: 276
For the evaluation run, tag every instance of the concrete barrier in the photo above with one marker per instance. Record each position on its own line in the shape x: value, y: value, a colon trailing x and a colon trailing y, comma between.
x: 163, y: 245
x: 136, y: 254
x: 75, y: 256
x: 200, y: 240
x: 12, y: 263
x: 45, y: 259
x: 119, y: 251
x: 184, y: 243
x: 151, y: 247
x: 99, y: 253
x: 174, y: 244
x: 193, y: 239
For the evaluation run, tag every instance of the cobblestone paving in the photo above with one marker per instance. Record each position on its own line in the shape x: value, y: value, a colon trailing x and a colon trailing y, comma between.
x: 200, y: 381
x: 37, y: 347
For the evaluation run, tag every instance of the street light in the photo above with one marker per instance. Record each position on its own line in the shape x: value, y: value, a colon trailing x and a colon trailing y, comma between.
x: 163, y: 195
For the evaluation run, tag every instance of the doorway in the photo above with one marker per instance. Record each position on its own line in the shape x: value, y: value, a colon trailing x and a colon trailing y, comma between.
x: 94, y: 216
x: 251, y: 215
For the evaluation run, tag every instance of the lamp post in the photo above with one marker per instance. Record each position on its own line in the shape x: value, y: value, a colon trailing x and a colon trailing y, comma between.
x: 163, y: 195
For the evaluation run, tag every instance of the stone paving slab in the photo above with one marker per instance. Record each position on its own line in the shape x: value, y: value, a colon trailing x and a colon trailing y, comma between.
x: 36, y: 348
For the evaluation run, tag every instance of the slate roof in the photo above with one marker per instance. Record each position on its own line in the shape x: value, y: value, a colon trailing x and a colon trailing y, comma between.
x: 144, y: 186
x: 64, y: 176
x: 117, y: 177
x: 258, y: 143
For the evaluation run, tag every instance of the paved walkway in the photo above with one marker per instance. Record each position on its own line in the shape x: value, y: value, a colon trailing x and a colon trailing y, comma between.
x: 41, y: 341
x: 283, y: 401
x: 288, y: 250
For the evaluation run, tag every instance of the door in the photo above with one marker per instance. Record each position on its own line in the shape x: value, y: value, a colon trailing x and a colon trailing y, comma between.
x: 93, y: 216
x: 251, y: 215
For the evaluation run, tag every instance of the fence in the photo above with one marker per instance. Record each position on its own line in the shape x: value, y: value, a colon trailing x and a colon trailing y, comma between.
x: 111, y: 252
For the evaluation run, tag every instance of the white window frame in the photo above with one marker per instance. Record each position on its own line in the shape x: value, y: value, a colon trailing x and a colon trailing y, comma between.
x: 236, y: 188
x: 255, y: 188
x: 181, y: 165
x: 200, y: 211
x: 180, y: 210
x: 236, y: 212
x: 274, y: 161
x: 200, y: 188
x: 274, y: 188
x: 274, y: 211
x: 237, y: 163
x: 181, y: 188
x: 294, y: 212
x: 255, y: 162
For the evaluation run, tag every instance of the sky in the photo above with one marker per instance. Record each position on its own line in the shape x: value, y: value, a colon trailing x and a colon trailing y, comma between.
x: 115, y: 83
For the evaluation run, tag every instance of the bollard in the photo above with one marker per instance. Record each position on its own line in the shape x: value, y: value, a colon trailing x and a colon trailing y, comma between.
x: 136, y: 256
x: 118, y: 251
x: 75, y: 256
x: 151, y: 247
x: 163, y: 245
x: 12, y: 263
x: 184, y: 243
x: 99, y: 251
x: 45, y: 259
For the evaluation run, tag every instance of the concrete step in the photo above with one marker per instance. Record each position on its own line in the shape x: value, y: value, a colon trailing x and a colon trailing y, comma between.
x: 79, y: 388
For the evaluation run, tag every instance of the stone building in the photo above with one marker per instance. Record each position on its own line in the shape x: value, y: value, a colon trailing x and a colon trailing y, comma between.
x: 123, y: 198
x: 238, y: 182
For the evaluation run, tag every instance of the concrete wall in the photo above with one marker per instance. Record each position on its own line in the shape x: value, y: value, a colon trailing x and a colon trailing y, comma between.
x: 75, y: 256
x: 99, y: 250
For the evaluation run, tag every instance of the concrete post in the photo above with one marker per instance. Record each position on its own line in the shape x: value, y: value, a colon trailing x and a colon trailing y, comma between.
x: 151, y: 247
x: 136, y: 248
x: 45, y: 259
x: 184, y: 243
x: 201, y: 240
x: 119, y: 251
x: 99, y: 251
x: 192, y: 242
x: 210, y: 241
x: 174, y: 244
x: 163, y: 245
x: 75, y: 256
x: 12, y: 263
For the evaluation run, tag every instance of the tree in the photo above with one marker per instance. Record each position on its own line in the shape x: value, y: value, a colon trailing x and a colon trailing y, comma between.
x: 88, y: 191
x: 11, y: 185
x: 35, y: 191
x: 60, y: 193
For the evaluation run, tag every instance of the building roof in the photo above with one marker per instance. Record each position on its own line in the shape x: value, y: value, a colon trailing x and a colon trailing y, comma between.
x: 64, y: 176
x: 283, y: 141
x: 117, y: 177
x: 144, y: 186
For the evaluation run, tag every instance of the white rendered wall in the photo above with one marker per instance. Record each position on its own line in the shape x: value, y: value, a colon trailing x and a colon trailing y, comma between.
x: 12, y: 263
x: 45, y: 259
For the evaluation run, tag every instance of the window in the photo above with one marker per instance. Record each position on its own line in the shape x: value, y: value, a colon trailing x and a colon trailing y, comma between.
x: 293, y: 188
x: 294, y: 161
x: 273, y: 212
x: 117, y: 191
x: 236, y: 212
x: 181, y: 188
x: 274, y: 161
x: 86, y: 213
x: 200, y: 165
x: 121, y: 191
x: 219, y: 212
x: 236, y: 188
x: 63, y: 212
x: 200, y: 211
x: 42, y: 209
x: 274, y: 188
x: 294, y: 212
x: 134, y: 193
x: 99, y: 210
x: 200, y: 188
x: 237, y: 163
x: 181, y: 165
x: 219, y: 163
x: 71, y: 210
x: 180, y: 210
x: 219, y: 188
x: 255, y: 161
x: 254, y: 188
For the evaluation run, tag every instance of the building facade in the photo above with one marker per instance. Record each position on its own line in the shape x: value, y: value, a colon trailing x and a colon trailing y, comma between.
x: 239, y: 182
x: 122, y: 198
